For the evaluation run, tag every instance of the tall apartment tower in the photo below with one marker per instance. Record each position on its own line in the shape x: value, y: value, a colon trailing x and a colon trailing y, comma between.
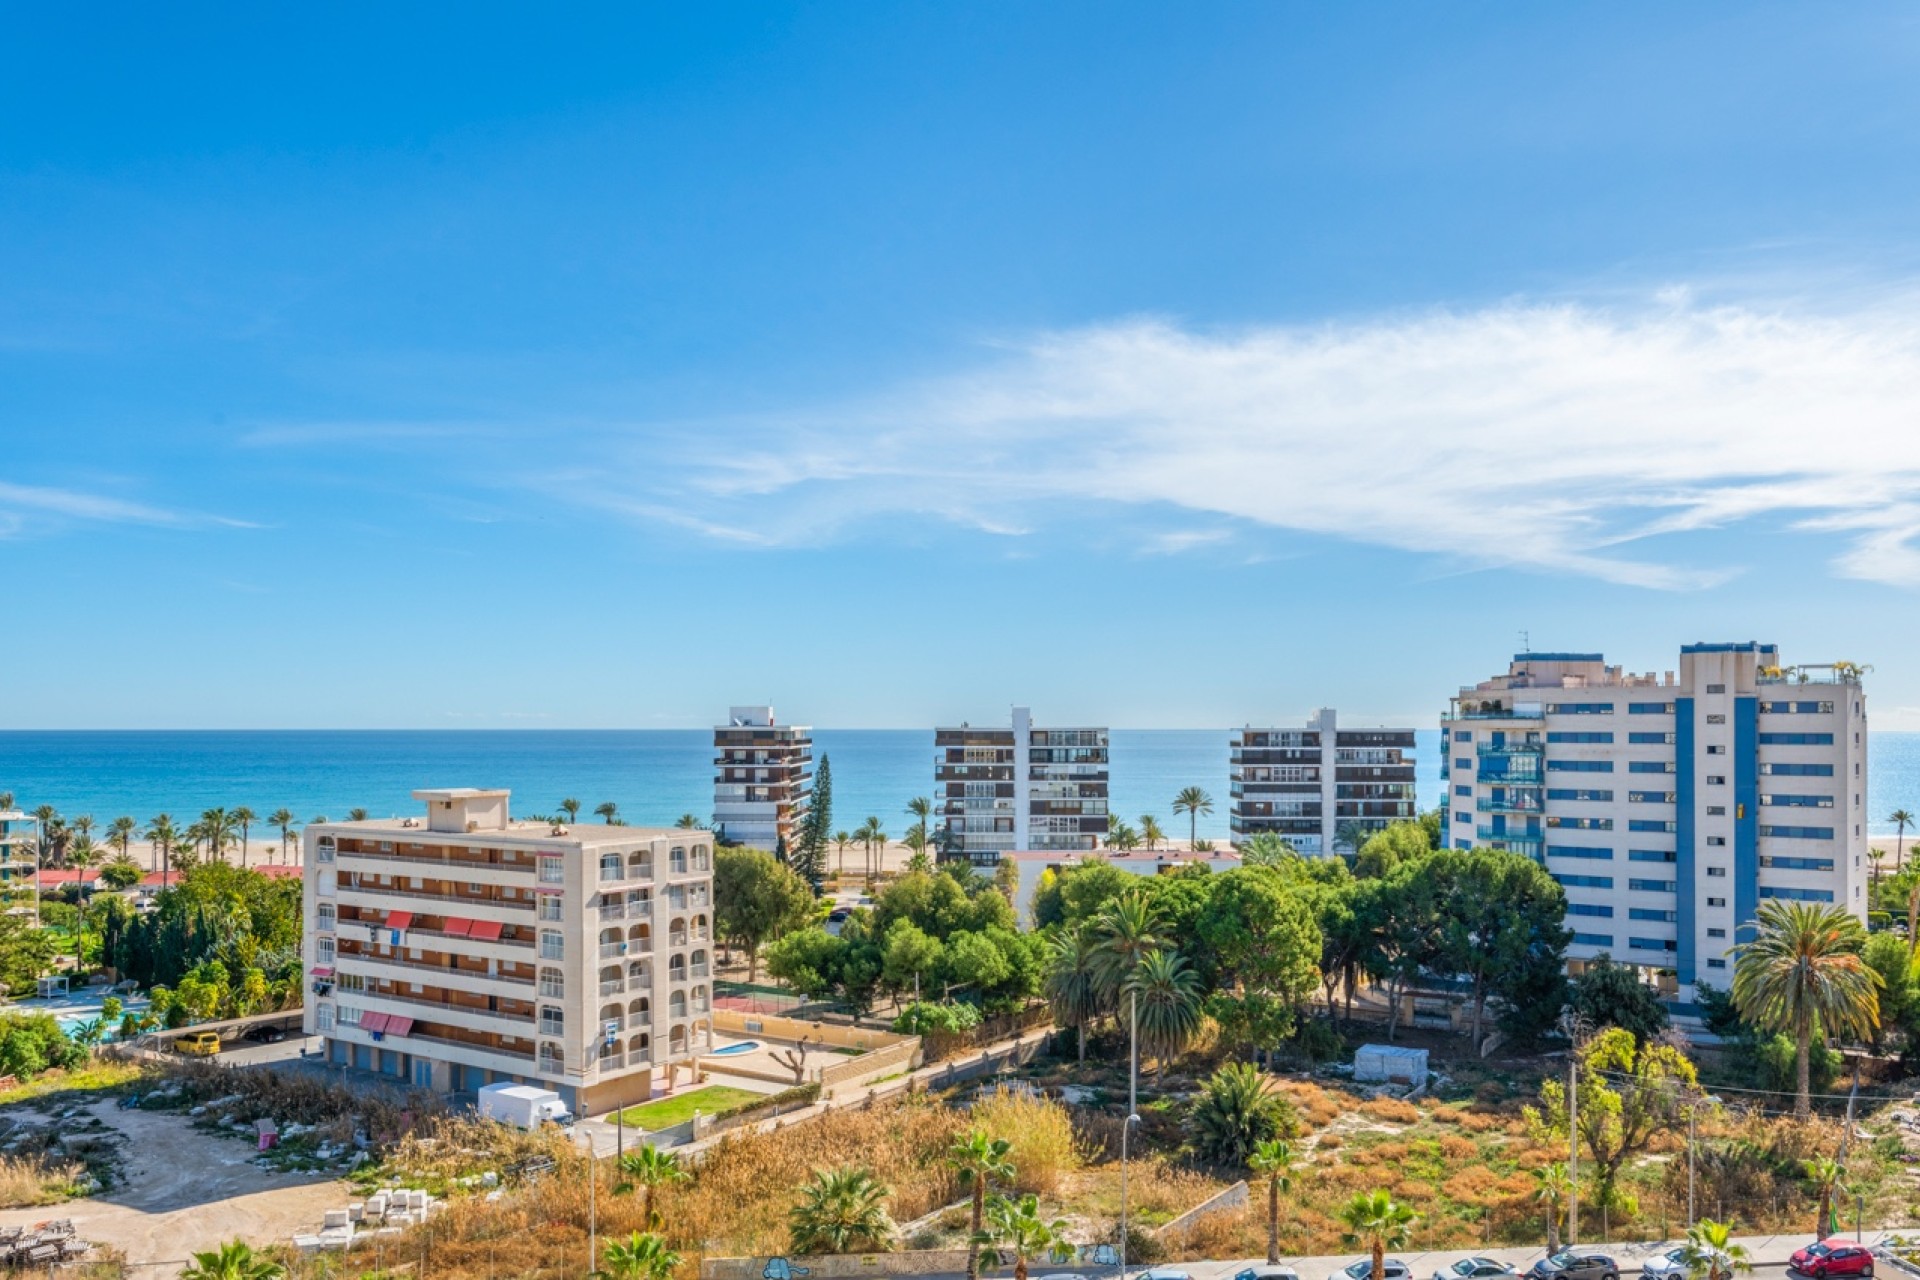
x: 1668, y: 807
x: 19, y: 861
x: 762, y: 772
x: 464, y: 949
x: 1020, y: 788
x: 1308, y: 785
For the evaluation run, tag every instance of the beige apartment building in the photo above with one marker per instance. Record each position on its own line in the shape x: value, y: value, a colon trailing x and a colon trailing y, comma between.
x: 463, y: 948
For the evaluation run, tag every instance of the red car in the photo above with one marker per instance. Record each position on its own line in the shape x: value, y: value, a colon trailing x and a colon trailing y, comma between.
x: 1835, y: 1257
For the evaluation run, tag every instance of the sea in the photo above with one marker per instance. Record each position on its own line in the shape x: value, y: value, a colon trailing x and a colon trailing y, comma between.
x: 653, y: 775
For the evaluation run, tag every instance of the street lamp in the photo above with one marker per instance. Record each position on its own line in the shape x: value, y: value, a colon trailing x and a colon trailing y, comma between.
x: 1125, y: 1129
x: 1133, y: 1114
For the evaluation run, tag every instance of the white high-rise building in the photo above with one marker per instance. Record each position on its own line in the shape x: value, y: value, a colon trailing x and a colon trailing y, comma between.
x: 762, y: 771
x: 1309, y: 785
x: 19, y: 862
x: 1668, y: 806
x: 1020, y: 787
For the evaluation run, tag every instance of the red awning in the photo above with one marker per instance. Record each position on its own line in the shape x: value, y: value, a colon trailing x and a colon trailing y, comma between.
x: 456, y: 927
x: 485, y: 931
x: 321, y: 971
x: 372, y: 1022
x: 399, y: 919
x: 398, y: 1026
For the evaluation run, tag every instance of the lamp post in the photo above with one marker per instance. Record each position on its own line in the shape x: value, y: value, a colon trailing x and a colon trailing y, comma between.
x: 1133, y: 1114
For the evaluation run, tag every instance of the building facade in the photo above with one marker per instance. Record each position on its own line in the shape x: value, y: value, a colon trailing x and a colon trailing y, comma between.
x: 762, y: 775
x: 1020, y: 788
x: 1668, y: 806
x: 19, y: 861
x: 1030, y: 866
x: 464, y: 949
x: 1309, y: 785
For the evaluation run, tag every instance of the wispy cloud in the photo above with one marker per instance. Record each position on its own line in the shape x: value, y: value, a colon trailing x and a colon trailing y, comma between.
x: 1544, y: 437
x: 22, y: 507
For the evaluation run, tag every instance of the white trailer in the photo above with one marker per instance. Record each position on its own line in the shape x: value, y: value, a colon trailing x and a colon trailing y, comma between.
x: 524, y: 1105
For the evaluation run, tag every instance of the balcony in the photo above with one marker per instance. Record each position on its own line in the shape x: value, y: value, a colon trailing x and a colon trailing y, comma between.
x: 613, y: 911
x: 1502, y: 749
x: 421, y: 966
x: 614, y: 987
x: 452, y: 868
x: 460, y: 907
x: 1512, y: 804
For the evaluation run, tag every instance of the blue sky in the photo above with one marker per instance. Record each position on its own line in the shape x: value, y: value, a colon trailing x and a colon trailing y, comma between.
x: 1156, y: 366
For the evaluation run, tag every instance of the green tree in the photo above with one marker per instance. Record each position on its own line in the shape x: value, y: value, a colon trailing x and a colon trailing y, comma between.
x: 869, y: 834
x: 1612, y: 995
x: 1018, y: 1225
x: 283, y: 819
x: 1824, y: 1173
x: 920, y: 809
x: 1802, y: 975
x: 121, y: 874
x: 978, y: 1160
x: 641, y: 1256
x: 646, y: 1171
x: 216, y: 828
x: 234, y: 1260
x: 244, y: 818
x: 1352, y: 835
x: 1165, y: 994
x: 162, y: 833
x: 841, y: 1211
x: 1259, y: 946
x: 1501, y: 927
x: 1237, y: 1110
x: 1382, y: 851
x: 121, y: 832
x: 1272, y: 1162
x: 1712, y: 1253
x: 1901, y: 820
x: 1126, y: 931
x: 1121, y: 836
x: 1553, y: 1185
x: 816, y: 829
x: 607, y: 811
x: 1266, y: 850
x: 756, y: 900
x: 1888, y: 957
x: 1192, y: 801
x: 571, y: 807
x: 909, y: 956
x: 1072, y: 895
x: 1073, y: 980
x: 1629, y: 1092
x: 1150, y: 832
x: 841, y: 839
x: 1379, y: 1222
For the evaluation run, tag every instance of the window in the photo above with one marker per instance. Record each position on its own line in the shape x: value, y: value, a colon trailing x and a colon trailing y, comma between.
x: 1649, y: 766
x: 1461, y: 762
x: 1585, y: 882
x: 324, y: 850
x: 1462, y: 817
x: 1716, y: 933
x: 553, y: 984
x: 1579, y: 737
x: 1715, y: 962
x: 1797, y: 833
x: 352, y: 982
x: 324, y: 915
x: 323, y: 950
x: 349, y: 1016
x: 1589, y: 909
x: 1580, y: 766
x: 1652, y: 944
x: 1650, y: 739
x: 1463, y: 791
x: 1649, y: 708
x: 1716, y: 749
x: 1652, y: 913
x: 1576, y: 851
x: 553, y: 945
x: 1578, y: 793
x: 1582, y: 824
x: 1796, y: 739
x: 1650, y: 855
x: 1797, y: 802
x: 550, y: 906
x: 552, y: 871
x: 1798, y: 770
x: 1719, y: 873
x: 1796, y: 895
x: 1651, y: 886
x: 1716, y: 688
x: 1579, y: 708
x: 1717, y: 841
x: 1716, y: 718
x: 1650, y: 797
x: 553, y: 1022
x: 323, y: 1017
x: 1798, y: 864
x: 550, y: 1059
x: 1716, y: 811
x: 1463, y: 735
x: 1593, y: 939
x: 1649, y: 824
x: 1797, y: 708
x: 1716, y: 902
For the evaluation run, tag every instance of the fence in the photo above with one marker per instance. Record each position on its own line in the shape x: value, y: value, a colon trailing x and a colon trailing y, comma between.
x: 941, y: 1045
x: 853, y: 1072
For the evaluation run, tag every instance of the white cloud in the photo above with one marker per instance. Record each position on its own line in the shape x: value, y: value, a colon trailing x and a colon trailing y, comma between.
x: 1545, y: 437
x: 21, y: 505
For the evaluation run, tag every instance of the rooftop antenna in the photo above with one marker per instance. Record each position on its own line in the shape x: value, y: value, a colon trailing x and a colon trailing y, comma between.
x: 1526, y: 641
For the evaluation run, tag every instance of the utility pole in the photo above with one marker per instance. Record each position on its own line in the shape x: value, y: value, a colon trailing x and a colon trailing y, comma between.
x: 1133, y: 1114
x: 1692, y: 1107
x: 1573, y: 1143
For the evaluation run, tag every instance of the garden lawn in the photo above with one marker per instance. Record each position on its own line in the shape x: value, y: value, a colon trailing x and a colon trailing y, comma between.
x: 714, y: 1100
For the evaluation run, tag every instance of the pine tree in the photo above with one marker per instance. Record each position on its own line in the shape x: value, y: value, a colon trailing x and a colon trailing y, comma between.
x: 782, y: 854
x: 810, y: 859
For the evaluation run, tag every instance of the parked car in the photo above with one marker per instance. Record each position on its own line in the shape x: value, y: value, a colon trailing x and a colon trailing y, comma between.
x: 1474, y: 1269
x: 264, y: 1035
x: 1391, y: 1269
x: 1268, y: 1271
x: 1164, y: 1273
x: 1835, y: 1257
x: 1674, y: 1264
x: 198, y: 1044
x: 1576, y: 1264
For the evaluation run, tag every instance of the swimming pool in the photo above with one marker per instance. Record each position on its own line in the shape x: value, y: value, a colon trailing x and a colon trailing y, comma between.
x: 742, y: 1046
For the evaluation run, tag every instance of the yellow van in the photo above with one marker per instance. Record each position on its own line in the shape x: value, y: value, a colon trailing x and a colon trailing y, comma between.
x: 200, y: 1044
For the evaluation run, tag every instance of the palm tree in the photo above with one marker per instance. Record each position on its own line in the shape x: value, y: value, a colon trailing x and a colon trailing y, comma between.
x: 1353, y: 834
x: 606, y: 811
x: 1552, y: 1186
x: 1073, y: 980
x: 687, y: 822
x: 571, y: 808
x: 1712, y: 1253
x: 977, y: 1160
x: 872, y: 833
x: 920, y: 809
x: 840, y: 1211
x: 234, y: 1260
x: 1193, y: 802
x: 1901, y: 820
x: 1273, y: 1160
x: 120, y: 831
x: 246, y: 818
x: 1803, y: 975
x: 1167, y: 995
x: 649, y: 1169
x: 354, y: 815
x: 1125, y: 931
x: 216, y: 828
x: 638, y: 1257
x: 283, y: 819
x: 6, y: 800
x: 1377, y: 1220
x: 1018, y: 1224
x: 1150, y: 831
x: 1825, y: 1174
x: 162, y: 833
x: 83, y: 826
x: 1236, y: 1111
x: 841, y: 840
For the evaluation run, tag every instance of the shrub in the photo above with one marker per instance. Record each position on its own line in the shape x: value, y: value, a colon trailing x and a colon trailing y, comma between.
x: 1236, y: 1111
x: 1045, y: 1149
x: 1446, y: 1115
x: 1455, y: 1147
x: 35, y: 1180
x: 1391, y: 1109
x: 924, y: 1017
x: 1330, y: 1142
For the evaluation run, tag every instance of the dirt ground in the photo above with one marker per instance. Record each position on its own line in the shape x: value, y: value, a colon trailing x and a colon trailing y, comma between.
x: 180, y: 1189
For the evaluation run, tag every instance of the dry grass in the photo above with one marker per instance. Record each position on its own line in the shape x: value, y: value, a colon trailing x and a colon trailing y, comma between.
x: 1392, y: 1110
x: 1046, y: 1148
x: 35, y: 1180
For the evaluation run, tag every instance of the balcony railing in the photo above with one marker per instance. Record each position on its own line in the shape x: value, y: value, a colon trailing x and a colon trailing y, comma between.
x: 524, y: 1055
x: 444, y: 864
x: 614, y: 987
x: 1510, y: 748
x: 445, y: 899
x: 423, y: 966
x: 441, y: 1002
x: 1512, y: 804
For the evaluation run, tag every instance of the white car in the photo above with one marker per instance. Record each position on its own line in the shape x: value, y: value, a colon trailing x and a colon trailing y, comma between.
x: 1391, y: 1269
x: 1268, y: 1271
x: 1673, y: 1264
x: 1474, y: 1269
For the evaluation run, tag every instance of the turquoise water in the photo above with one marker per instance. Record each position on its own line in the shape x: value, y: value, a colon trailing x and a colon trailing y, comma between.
x: 744, y: 1046
x: 654, y: 775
